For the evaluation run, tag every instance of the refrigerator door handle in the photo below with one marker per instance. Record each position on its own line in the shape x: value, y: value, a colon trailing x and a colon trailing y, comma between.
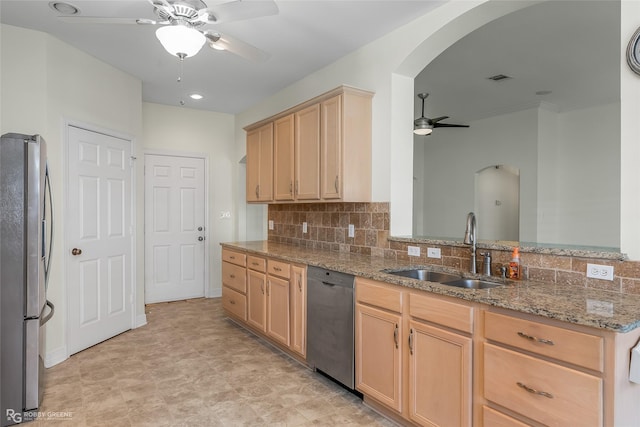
x: 45, y: 319
x: 49, y: 197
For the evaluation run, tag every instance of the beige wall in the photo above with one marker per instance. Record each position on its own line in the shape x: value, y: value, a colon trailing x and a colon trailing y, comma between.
x: 179, y: 130
x: 46, y: 83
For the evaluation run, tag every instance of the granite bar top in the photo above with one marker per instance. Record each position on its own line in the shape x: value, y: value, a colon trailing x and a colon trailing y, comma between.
x: 582, y: 306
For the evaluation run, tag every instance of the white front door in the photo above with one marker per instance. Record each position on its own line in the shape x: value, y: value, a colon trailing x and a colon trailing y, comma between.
x: 99, y: 233
x: 174, y: 200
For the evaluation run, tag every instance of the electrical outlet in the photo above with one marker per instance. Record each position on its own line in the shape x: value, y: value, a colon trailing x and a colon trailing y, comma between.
x: 304, y: 227
x: 597, y: 271
x: 433, y: 253
x: 413, y: 250
x: 270, y: 224
x: 352, y: 230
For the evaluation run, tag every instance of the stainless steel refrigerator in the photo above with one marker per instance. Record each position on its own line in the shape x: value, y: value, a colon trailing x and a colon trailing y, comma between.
x: 26, y: 228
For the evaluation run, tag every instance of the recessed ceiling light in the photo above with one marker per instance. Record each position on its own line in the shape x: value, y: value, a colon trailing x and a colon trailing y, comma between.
x: 64, y: 8
x: 196, y: 96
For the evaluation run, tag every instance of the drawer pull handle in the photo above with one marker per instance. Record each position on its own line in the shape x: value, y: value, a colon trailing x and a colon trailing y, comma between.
x: 232, y: 257
x: 531, y: 338
x: 534, y: 391
x: 395, y: 335
x: 232, y: 302
x: 233, y: 276
x: 277, y: 268
x: 255, y: 263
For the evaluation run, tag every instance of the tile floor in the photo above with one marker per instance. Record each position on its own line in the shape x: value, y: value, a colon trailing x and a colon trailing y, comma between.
x: 190, y: 366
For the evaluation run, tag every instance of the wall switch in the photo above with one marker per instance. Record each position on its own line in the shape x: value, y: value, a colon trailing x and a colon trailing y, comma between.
x: 270, y: 224
x: 352, y: 230
x: 413, y: 250
x: 597, y: 271
x: 304, y: 227
x: 225, y: 215
x: 433, y: 253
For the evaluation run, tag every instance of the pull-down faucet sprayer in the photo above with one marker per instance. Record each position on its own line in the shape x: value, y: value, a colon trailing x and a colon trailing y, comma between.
x: 470, y: 239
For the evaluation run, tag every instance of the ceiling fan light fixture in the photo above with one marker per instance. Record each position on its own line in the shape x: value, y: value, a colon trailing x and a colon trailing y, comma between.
x: 422, y: 131
x: 180, y: 40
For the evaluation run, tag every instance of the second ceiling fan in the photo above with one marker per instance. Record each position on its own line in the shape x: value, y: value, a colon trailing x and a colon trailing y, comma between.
x: 424, y: 125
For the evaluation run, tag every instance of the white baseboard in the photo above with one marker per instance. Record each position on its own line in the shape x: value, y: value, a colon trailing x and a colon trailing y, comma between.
x: 141, y: 320
x: 56, y: 356
x: 215, y: 293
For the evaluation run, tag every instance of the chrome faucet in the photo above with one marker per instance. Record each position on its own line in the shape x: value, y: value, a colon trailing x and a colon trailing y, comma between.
x: 470, y: 239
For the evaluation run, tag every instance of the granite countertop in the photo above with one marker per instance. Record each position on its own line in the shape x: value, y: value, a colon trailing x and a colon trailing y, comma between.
x: 573, y: 304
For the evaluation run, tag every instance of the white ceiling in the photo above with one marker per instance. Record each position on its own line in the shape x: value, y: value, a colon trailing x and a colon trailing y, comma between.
x: 571, y: 48
x: 305, y: 36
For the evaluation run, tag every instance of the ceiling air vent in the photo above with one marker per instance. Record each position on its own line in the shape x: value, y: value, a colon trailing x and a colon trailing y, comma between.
x: 499, y: 77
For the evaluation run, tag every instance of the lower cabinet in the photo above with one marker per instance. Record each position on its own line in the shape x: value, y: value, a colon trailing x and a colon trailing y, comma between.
x: 414, y: 354
x: 440, y: 373
x: 268, y: 295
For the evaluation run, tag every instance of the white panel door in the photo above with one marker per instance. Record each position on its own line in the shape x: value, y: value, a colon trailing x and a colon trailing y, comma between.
x: 98, y: 224
x: 174, y: 228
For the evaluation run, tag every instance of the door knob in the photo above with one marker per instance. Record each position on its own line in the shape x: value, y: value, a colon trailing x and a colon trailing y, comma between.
x: 200, y: 239
x: 76, y: 251
x: 199, y: 228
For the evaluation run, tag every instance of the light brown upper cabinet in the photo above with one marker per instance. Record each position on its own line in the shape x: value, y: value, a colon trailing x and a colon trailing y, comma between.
x: 321, y: 149
x: 260, y: 164
x: 283, y: 158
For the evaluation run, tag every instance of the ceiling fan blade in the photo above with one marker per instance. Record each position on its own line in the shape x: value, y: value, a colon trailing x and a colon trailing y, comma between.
x: 447, y: 125
x: 240, y: 10
x: 96, y: 20
x: 437, y: 119
x: 243, y: 49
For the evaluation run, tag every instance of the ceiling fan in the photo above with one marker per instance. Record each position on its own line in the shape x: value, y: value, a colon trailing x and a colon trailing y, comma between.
x: 424, y: 125
x: 183, y: 25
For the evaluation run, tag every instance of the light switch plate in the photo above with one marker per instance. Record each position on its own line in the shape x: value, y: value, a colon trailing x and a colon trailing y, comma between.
x: 304, y: 227
x: 434, y: 253
x: 270, y: 224
x: 352, y: 230
x: 413, y: 250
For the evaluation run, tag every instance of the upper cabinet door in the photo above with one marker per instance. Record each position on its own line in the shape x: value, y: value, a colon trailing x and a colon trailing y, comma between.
x: 283, y: 142
x: 307, y: 153
x: 260, y: 164
x: 331, y: 148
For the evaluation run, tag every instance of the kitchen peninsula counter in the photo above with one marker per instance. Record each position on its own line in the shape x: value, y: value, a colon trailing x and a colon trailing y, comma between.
x: 573, y: 304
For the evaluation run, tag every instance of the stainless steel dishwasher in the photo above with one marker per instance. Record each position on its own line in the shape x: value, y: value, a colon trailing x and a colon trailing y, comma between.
x: 330, y: 324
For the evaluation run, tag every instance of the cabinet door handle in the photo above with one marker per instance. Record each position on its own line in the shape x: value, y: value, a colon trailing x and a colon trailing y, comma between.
x: 534, y: 391
x: 257, y: 190
x: 335, y: 184
x: 536, y: 339
x: 411, y: 341
x: 395, y: 335
x: 297, y: 188
x: 262, y: 287
x: 268, y: 285
x: 299, y: 284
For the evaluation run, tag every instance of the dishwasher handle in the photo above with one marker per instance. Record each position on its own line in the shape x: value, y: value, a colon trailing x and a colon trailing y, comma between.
x: 328, y: 284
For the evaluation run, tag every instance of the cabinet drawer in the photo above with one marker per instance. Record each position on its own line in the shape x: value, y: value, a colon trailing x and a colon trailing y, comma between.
x: 278, y: 268
x: 234, y: 302
x: 234, y: 277
x: 570, y: 346
x: 257, y: 264
x: 233, y: 257
x: 493, y: 418
x: 551, y: 394
x: 446, y: 313
x: 372, y: 293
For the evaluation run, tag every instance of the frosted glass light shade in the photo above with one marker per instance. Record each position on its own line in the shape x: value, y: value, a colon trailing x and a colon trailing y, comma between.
x: 179, y: 40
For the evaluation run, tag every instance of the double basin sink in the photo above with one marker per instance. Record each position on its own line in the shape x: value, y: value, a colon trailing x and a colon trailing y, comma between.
x: 445, y: 278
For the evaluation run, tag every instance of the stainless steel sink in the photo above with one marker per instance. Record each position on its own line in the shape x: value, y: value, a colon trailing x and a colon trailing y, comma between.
x: 428, y: 275
x: 472, y: 284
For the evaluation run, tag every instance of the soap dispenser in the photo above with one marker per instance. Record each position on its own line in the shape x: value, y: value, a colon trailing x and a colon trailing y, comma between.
x: 514, y: 265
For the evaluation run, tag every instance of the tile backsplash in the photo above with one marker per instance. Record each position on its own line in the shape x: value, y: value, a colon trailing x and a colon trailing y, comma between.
x: 328, y: 225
